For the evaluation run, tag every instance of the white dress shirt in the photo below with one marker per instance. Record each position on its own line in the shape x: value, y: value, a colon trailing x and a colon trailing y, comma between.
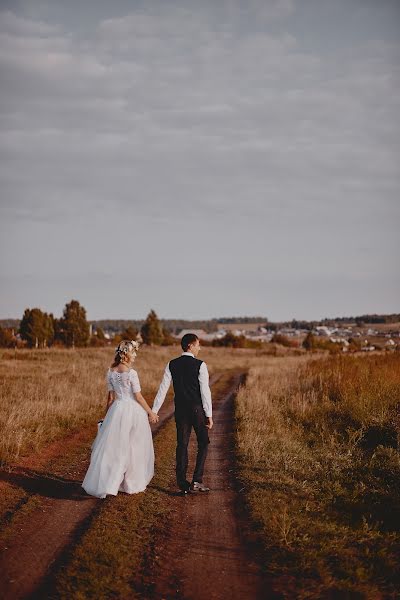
x: 204, y: 388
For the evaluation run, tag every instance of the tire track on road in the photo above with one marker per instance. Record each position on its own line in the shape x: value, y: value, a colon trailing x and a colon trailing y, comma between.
x: 52, y: 529
x: 204, y: 555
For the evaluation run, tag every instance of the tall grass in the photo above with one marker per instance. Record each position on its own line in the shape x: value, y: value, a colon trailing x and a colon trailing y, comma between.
x: 45, y: 394
x: 319, y: 456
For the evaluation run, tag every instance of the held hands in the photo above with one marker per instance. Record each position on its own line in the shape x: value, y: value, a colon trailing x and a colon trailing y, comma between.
x: 153, y: 417
x: 209, y: 422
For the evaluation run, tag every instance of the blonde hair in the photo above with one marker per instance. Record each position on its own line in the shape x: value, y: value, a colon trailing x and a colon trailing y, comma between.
x: 124, y: 349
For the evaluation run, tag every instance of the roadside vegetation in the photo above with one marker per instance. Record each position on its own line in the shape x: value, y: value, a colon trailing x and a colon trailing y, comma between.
x: 319, y: 460
x: 46, y: 394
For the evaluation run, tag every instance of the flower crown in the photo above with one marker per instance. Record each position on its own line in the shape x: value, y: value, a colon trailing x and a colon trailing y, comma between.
x: 126, y: 347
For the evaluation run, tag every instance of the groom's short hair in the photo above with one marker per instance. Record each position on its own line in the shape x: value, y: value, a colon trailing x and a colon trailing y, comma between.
x: 187, y: 339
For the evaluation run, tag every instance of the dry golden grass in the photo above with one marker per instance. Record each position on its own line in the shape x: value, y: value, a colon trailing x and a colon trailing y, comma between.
x: 45, y: 394
x: 319, y: 458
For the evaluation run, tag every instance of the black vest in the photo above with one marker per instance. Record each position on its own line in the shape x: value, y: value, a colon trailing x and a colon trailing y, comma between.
x: 185, y: 377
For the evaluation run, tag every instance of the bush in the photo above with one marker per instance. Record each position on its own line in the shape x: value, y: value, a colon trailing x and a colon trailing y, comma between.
x: 168, y: 340
x: 97, y: 342
x: 236, y: 341
x: 230, y: 341
x: 278, y: 338
x: 7, y: 339
x: 312, y: 343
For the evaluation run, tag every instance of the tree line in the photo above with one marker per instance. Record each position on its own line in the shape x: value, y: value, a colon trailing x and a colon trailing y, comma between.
x: 172, y: 325
x: 38, y: 329
x: 116, y: 326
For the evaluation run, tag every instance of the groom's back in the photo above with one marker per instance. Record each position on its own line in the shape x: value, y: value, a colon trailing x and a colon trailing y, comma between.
x: 185, y: 377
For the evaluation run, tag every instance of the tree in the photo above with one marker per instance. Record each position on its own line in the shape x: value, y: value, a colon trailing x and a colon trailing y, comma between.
x: 309, y: 341
x: 168, y: 340
x: 73, y: 327
x: 151, y: 331
x: 7, y: 339
x: 100, y: 333
x: 283, y: 340
x: 98, y: 339
x: 37, y: 328
x: 130, y: 333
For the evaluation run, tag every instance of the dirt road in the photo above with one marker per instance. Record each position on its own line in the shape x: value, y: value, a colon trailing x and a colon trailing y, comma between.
x: 203, y: 556
x: 63, y: 512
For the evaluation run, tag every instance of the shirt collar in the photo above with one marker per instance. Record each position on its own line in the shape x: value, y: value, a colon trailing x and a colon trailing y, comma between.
x: 187, y: 354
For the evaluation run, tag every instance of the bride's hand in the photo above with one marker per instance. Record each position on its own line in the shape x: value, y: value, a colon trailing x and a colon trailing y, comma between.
x: 153, y: 417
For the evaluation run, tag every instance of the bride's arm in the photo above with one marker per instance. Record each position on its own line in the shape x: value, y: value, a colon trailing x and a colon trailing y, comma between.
x: 110, y: 399
x: 110, y: 389
x: 153, y: 417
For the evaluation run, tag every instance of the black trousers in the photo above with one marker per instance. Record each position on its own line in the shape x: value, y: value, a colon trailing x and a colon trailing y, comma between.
x: 196, y: 419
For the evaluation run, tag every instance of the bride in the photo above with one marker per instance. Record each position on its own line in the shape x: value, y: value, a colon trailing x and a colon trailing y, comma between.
x: 122, y: 454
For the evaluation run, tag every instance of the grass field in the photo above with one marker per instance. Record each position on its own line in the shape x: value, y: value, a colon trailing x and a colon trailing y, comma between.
x: 317, y: 444
x: 320, y: 462
x: 46, y: 394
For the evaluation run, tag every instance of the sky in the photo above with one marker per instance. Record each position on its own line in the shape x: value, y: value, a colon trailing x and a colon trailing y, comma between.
x: 204, y: 159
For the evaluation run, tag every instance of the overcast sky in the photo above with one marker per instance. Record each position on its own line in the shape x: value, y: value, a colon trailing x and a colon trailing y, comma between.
x: 206, y: 159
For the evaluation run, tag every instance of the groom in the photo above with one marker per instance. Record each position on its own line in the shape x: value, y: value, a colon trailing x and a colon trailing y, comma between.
x: 193, y: 408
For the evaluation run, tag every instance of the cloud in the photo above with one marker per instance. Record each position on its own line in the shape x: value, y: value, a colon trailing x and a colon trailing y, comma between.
x: 217, y: 118
x: 19, y: 26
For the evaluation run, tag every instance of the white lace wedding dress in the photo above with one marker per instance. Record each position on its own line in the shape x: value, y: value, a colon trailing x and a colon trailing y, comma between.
x: 122, y: 454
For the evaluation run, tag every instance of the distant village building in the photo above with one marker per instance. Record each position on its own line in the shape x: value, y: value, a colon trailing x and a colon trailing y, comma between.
x: 289, y: 332
x: 337, y: 333
x: 238, y: 332
x: 339, y: 340
x: 247, y: 327
x: 323, y: 330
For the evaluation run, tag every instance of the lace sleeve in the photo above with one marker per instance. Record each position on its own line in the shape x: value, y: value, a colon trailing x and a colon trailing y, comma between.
x: 109, y: 382
x: 135, y: 383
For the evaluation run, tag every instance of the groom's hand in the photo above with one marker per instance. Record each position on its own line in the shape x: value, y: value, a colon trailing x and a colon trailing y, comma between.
x: 153, y: 417
x: 209, y: 423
